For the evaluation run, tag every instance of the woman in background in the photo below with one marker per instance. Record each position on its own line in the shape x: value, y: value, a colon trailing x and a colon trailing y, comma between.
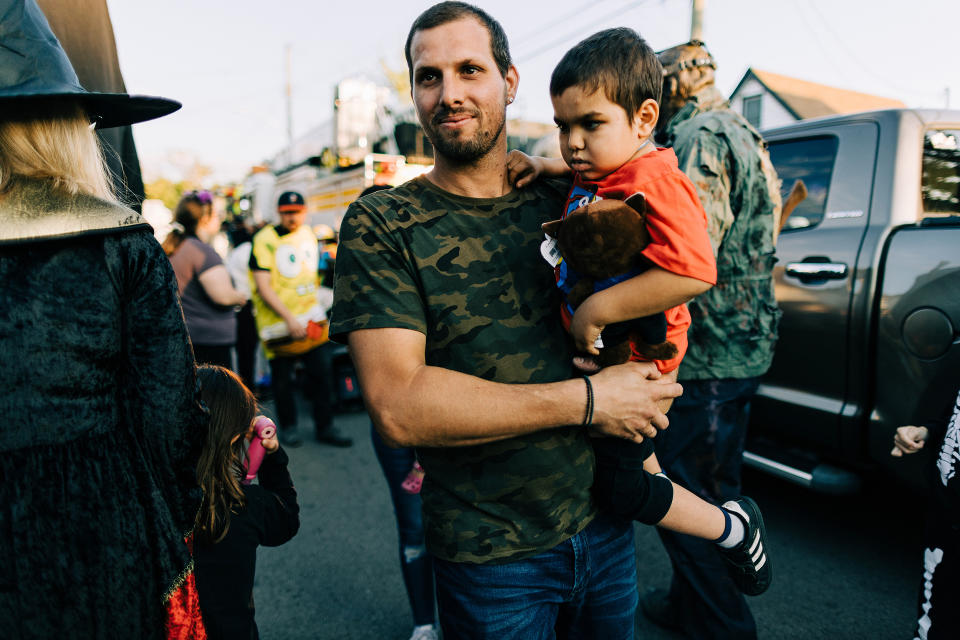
x: 206, y: 291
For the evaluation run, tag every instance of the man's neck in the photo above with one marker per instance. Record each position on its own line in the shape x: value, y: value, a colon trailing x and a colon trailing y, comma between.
x: 485, y: 178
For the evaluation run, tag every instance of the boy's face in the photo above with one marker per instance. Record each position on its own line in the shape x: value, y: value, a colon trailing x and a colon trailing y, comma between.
x: 596, y: 135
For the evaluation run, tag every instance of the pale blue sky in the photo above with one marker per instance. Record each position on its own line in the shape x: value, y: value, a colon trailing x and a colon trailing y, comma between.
x: 225, y: 59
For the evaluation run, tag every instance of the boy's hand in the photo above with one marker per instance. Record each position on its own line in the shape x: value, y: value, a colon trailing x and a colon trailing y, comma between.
x: 908, y: 439
x: 585, y: 327
x: 522, y: 169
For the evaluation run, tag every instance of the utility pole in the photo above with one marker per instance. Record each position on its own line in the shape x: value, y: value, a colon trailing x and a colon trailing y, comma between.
x: 696, y: 20
x: 289, y: 89
x: 946, y: 96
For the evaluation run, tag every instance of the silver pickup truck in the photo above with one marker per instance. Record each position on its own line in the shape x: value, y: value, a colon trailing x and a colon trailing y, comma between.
x: 868, y: 279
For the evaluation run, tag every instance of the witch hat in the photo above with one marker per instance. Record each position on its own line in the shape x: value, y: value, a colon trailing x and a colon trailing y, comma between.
x: 34, y: 68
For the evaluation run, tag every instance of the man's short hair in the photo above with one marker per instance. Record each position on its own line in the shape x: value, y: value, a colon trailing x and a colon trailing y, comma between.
x: 446, y: 12
x: 618, y: 61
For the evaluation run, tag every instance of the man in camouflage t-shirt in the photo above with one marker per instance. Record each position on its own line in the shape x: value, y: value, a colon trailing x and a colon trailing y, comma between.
x: 731, y: 338
x: 450, y: 313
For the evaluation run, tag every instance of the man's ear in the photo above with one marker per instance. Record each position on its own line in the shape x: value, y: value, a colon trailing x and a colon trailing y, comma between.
x: 512, y: 80
x: 637, y: 202
x: 552, y: 228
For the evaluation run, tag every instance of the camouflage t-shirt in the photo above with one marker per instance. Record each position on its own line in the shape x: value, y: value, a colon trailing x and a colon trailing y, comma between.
x: 467, y: 273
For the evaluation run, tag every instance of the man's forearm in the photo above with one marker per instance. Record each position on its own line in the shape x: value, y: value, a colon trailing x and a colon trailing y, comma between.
x: 413, y: 404
x: 442, y: 408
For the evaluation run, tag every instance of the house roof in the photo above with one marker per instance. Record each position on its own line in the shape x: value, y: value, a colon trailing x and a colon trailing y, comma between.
x: 810, y: 100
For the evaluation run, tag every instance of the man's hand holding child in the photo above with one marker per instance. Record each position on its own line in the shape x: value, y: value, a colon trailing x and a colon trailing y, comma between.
x: 626, y: 404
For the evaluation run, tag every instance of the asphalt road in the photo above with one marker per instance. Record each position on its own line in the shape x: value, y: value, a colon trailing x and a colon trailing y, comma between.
x: 845, y: 567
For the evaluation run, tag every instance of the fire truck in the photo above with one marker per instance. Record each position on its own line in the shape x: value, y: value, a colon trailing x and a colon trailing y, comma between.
x: 329, y: 192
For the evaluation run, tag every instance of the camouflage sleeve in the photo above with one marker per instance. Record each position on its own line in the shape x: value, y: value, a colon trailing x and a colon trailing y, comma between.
x: 772, y: 182
x: 376, y: 284
x: 704, y: 162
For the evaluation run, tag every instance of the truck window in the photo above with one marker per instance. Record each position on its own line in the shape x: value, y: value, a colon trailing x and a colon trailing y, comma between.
x: 810, y: 160
x: 941, y: 171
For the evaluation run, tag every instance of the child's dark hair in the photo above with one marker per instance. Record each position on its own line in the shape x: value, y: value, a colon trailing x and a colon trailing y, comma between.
x: 446, y: 12
x: 232, y: 409
x: 618, y: 61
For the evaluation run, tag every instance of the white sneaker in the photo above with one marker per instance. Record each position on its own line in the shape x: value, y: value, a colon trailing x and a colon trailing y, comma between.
x: 425, y: 632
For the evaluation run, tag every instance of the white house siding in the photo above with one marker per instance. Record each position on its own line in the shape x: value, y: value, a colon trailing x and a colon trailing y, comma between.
x: 772, y: 113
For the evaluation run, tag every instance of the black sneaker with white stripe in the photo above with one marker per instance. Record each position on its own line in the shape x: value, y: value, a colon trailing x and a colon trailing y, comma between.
x: 748, y: 562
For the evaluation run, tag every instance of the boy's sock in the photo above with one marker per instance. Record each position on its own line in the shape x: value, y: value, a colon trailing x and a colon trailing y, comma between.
x: 733, y: 530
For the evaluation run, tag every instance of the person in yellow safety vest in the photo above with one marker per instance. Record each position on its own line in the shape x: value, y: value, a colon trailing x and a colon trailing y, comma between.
x: 291, y: 323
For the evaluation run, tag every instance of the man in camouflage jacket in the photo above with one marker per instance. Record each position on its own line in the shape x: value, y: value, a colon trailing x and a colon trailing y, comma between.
x: 450, y: 314
x: 731, y: 339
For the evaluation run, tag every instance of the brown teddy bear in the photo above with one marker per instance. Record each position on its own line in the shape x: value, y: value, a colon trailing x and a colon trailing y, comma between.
x: 601, y: 245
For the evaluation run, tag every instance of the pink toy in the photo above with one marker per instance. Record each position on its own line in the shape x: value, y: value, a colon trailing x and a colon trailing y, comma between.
x: 414, y: 480
x: 263, y: 428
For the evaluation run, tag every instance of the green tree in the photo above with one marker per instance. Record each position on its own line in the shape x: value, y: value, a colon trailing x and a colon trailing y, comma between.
x: 166, y: 191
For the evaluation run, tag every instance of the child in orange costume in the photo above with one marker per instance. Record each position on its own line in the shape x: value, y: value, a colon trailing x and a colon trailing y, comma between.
x: 605, y: 94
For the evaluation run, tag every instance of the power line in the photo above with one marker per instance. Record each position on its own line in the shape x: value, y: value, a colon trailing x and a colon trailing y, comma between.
x: 545, y: 28
x: 822, y: 49
x: 579, y: 30
x: 839, y: 39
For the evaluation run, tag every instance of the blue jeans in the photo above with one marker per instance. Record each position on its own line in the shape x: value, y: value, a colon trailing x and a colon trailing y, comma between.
x: 585, y: 587
x: 415, y: 563
x: 702, y: 450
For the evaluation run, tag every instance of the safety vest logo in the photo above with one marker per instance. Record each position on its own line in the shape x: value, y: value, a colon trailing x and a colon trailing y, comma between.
x: 291, y: 260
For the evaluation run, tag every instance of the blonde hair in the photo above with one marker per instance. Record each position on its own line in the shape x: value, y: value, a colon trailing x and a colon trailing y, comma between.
x: 56, y: 143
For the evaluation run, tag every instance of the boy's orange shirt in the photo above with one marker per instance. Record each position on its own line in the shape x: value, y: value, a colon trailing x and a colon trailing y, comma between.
x: 676, y: 221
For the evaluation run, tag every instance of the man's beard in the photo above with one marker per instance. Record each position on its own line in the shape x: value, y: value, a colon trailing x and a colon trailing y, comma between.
x: 464, y: 151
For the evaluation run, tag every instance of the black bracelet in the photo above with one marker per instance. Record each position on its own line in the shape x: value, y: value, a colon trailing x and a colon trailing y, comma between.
x: 588, y: 414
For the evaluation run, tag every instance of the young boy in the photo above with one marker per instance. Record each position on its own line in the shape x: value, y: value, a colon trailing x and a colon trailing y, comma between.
x: 605, y: 93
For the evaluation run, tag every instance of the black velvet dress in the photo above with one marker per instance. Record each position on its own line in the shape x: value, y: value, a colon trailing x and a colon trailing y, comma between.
x: 101, y: 427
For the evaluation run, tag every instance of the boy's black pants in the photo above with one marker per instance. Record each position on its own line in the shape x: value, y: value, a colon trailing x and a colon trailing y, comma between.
x: 622, y: 486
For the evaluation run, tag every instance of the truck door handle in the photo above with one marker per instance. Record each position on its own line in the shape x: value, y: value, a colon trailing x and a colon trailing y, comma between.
x: 813, y: 271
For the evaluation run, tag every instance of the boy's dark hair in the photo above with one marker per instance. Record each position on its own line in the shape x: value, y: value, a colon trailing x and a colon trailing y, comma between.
x: 618, y: 61
x: 445, y: 12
